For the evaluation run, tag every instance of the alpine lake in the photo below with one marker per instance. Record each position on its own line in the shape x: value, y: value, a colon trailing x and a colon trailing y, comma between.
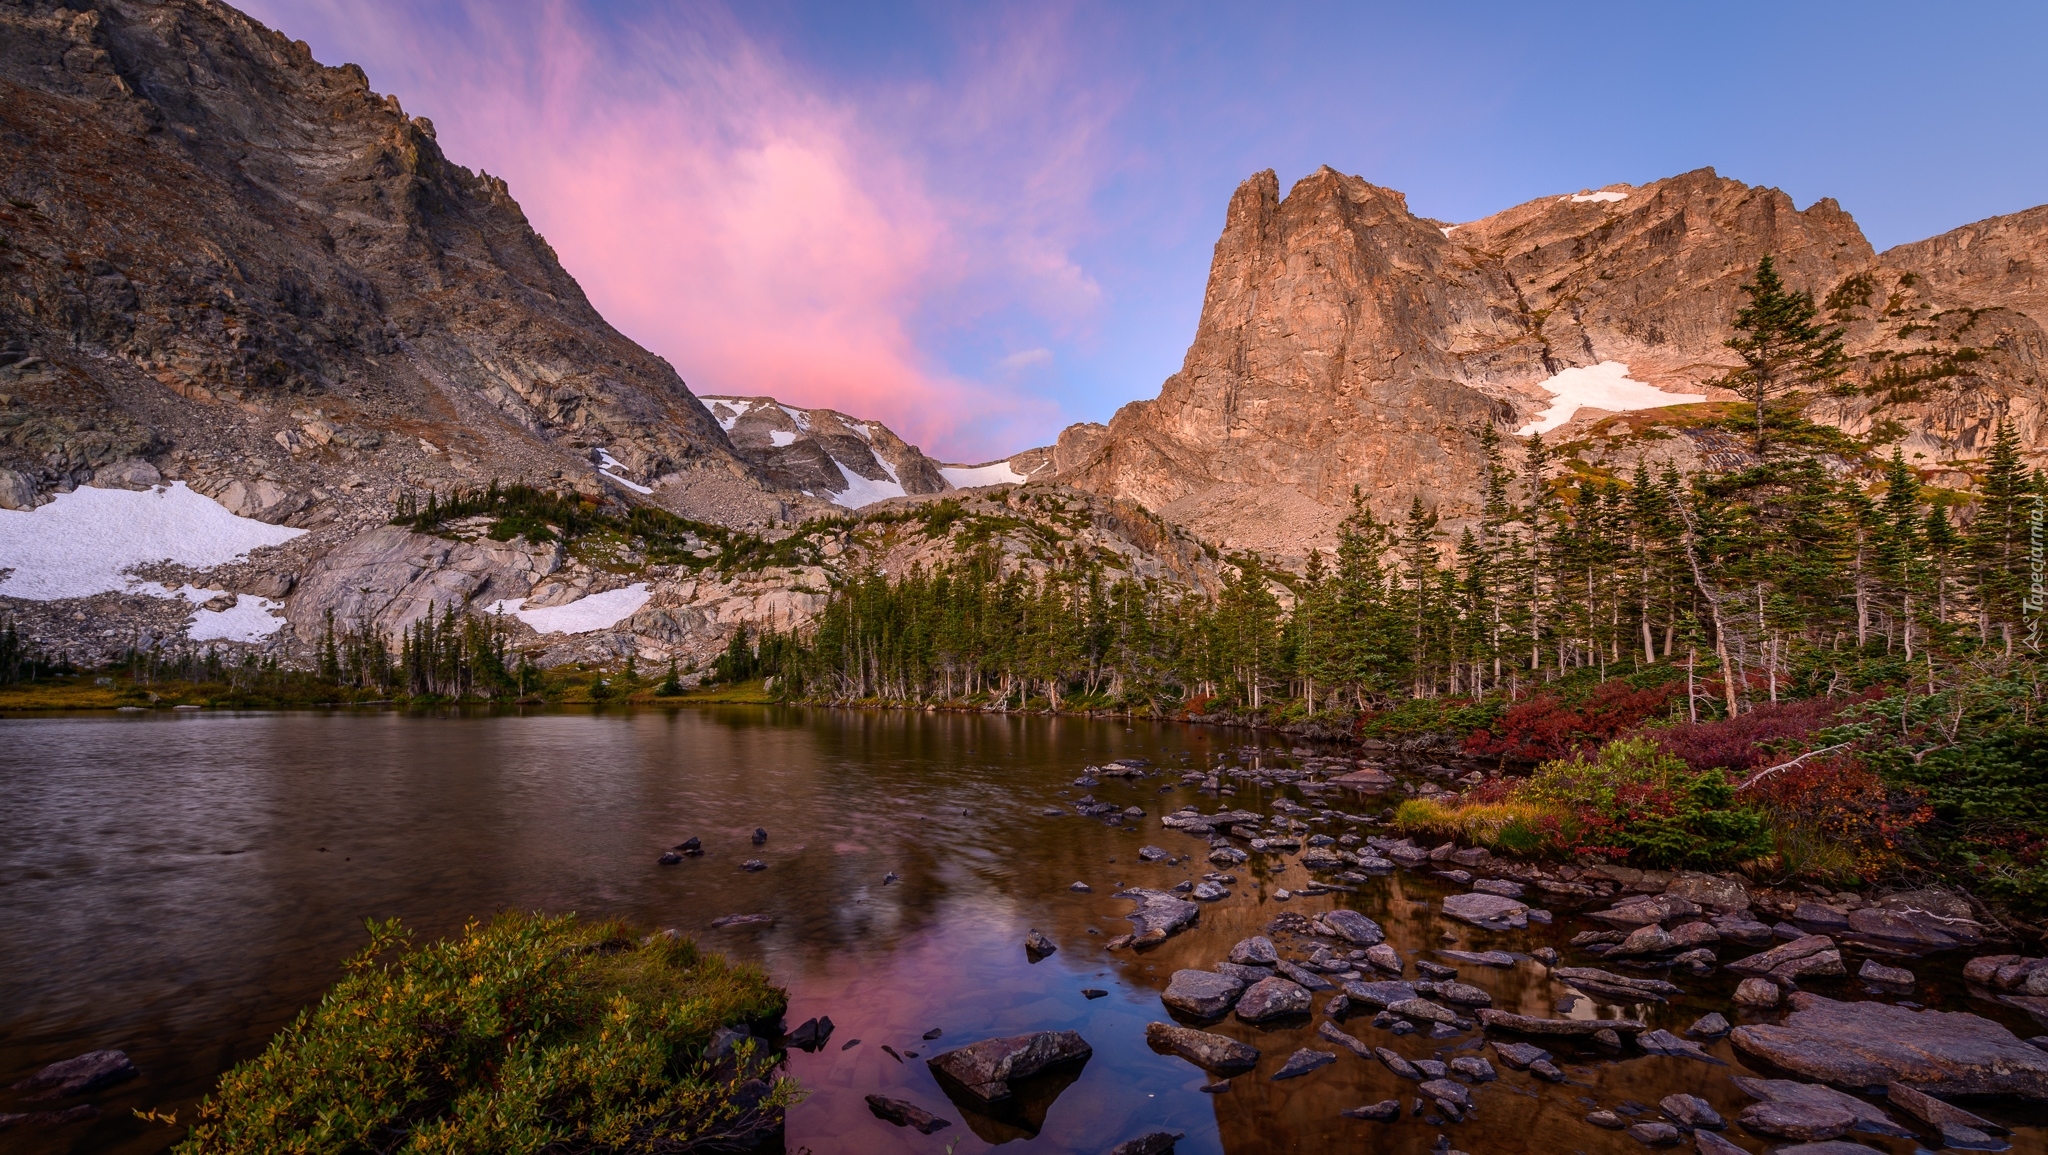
x: 179, y: 886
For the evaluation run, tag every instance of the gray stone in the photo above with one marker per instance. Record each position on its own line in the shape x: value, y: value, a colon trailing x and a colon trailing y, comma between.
x: 1384, y: 1111
x: 1271, y: 999
x: 1485, y: 958
x: 1302, y: 1062
x: 1211, y: 1052
x: 985, y: 1069
x: 1874, y: 971
x: 1654, y: 1134
x: 1445, y: 1091
x: 1303, y: 977
x: 1809, y: 955
x: 1647, y: 939
x: 1708, y: 1143
x: 1708, y: 1026
x: 1519, y: 1055
x: 1255, y: 951
x: 1209, y: 892
x: 1353, y: 927
x: 1201, y: 994
x: 1716, y: 891
x: 1038, y: 946
x: 1756, y: 993
x: 1865, y: 1116
x: 1527, y: 1025
x: 1383, y: 957
x: 1499, y: 886
x: 1690, y: 1111
x: 1379, y: 994
x: 1622, y: 988
x: 1871, y: 1043
x: 87, y: 1072
x: 1150, y: 853
x: 1606, y: 1119
x: 1474, y: 1068
x: 1489, y: 911
x: 1662, y: 1042
x: 1422, y: 1010
x: 1806, y: 1121
x: 1464, y: 994
x: 1156, y: 1143
x: 1349, y: 1042
x: 1933, y: 1111
x: 1159, y: 914
x: 906, y: 1114
x: 1642, y: 911
x: 1397, y: 1064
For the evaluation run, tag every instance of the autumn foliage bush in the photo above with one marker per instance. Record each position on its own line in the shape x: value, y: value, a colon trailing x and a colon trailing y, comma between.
x: 1752, y: 739
x: 1547, y: 726
x: 1833, y: 817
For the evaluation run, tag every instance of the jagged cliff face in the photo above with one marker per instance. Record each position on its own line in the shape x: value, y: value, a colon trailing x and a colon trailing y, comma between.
x: 823, y: 453
x: 243, y: 267
x: 1346, y: 342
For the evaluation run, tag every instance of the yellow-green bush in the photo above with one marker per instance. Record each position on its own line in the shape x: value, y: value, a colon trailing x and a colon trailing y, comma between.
x: 528, y: 1034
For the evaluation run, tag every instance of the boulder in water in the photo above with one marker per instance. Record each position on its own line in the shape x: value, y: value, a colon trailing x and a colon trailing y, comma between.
x: 1211, y: 1052
x: 1870, y: 1044
x: 986, y: 1069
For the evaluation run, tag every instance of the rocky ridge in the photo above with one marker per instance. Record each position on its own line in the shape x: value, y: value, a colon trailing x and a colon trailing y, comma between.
x: 1345, y: 341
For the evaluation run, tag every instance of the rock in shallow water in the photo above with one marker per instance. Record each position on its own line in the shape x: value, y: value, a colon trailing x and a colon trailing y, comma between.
x: 985, y: 1069
x: 87, y: 1072
x: 1353, y: 927
x: 1037, y: 946
x: 1211, y: 1052
x: 1157, y: 1143
x: 1690, y: 1111
x: 1871, y: 1044
x: 1490, y: 911
x: 1256, y: 951
x: 1790, y: 1093
x: 1202, y: 994
x: 1384, y: 1111
x: 1302, y: 1062
x: 906, y: 1114
x: 1271, y: 998
x: 1159, y: 914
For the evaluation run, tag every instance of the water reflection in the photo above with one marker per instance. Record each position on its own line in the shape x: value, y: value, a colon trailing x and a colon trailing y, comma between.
x: 180, y: 885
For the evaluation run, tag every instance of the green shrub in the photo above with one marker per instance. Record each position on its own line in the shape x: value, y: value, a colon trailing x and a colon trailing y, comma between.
x: 1645, y: 803
x: 530, y: 1034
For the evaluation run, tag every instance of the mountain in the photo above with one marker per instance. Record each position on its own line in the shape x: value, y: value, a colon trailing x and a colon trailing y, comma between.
x: 230, y: 265
x: 1345, y: 341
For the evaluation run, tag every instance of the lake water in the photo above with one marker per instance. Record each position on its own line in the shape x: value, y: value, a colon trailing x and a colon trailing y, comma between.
x: 178, y: 886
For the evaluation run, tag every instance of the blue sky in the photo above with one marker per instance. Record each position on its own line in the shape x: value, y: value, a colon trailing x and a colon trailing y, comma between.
x: 981, y: 222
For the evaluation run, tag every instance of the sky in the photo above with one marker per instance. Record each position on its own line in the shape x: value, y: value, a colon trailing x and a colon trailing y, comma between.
x: 980, y: 222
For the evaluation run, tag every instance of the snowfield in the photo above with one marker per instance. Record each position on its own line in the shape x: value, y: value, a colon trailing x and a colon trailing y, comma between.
x: 606, y: 463
x: 84, y: 542
x: 1606, y: 386
x: 591, y: 612
x: 781, y: 437
x: 739, y: 410
x: 249, y: 620
x: 969, y: 476
x: 1603, y: 196
x: 860, y: 491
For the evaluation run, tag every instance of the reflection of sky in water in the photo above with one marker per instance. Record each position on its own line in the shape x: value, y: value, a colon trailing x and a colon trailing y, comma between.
x: 191, y: 881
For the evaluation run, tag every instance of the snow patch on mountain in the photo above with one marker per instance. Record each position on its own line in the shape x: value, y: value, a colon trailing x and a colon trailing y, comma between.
x: 85, y: 542
x: 582, y: 616
x: 970, y: 476
x: 1606, y: 386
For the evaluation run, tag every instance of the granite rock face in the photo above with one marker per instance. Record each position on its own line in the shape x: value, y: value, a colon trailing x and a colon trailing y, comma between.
x: 1345, y: 341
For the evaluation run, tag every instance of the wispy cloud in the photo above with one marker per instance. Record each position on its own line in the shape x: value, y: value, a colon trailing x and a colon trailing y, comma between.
x: 766, y: 237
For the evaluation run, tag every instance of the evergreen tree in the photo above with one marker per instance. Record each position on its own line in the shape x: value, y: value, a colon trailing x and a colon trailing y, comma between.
x: 1781, y: 348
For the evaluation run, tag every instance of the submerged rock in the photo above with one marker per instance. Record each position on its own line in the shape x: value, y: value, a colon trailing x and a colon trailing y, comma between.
x: 1871, y: 1043
x: 1215, y: 1053
x: 1159, y: 914
x: 1339, y: 1036
x: 906, y: 1114
x: 985, y: 1069
x: 1384, y: 1111
x: 1156, y: 1143
x: 1527, y: 1025
x: 1302, y: 1062
x: 87, y: 1072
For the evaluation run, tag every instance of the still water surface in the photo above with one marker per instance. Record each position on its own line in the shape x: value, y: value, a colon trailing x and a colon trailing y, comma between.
x: 179, y: 886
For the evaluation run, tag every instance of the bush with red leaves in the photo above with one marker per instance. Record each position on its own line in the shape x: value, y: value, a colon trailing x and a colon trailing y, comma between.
x: 1833, y: 816
x: 1747, y: 741
x: 1546, y: 727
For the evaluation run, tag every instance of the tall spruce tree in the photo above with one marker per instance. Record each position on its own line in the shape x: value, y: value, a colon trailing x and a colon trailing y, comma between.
x: 1782, y: 350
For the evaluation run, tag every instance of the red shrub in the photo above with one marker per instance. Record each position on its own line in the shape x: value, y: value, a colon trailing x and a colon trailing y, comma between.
x: 1835, y: 808
x: 1544, y: 727
x: 1747, y: 741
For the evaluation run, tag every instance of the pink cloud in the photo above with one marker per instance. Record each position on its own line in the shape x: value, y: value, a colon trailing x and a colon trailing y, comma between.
x: 718, y: 209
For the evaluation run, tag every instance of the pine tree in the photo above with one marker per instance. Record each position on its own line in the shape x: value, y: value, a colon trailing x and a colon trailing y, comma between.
x: 1782, y: 350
